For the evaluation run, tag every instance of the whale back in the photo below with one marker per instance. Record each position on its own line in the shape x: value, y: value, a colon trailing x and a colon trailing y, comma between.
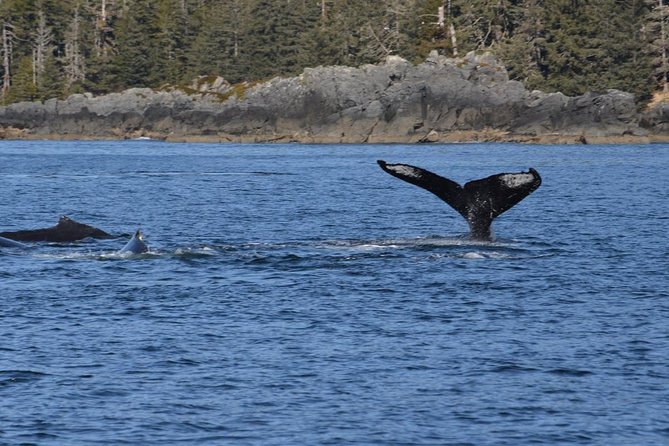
x: 67, y: 230
x: 136, y: 244
x: 9, y: 243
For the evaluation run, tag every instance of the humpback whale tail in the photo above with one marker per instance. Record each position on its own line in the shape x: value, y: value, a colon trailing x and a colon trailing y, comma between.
x: 136, y: 244
x: 478, y: 201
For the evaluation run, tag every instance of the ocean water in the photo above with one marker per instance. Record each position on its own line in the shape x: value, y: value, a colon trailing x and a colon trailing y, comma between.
x: 297, y: 294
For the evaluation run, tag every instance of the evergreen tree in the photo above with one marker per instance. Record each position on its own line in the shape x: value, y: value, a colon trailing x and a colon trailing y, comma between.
x: 137, y: 60
x: 109, y: 45
x: 23, y: 88
x: 524, y: 50
x: 335, y: 37
x: 274, y: 34
x: 51, y: 81
x: 172, y: 40
x: 101, y: 39
x: 219, y: 46
x: 658, y: 33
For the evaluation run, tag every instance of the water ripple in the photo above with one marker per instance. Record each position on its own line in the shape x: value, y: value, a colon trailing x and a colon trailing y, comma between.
x: 297, y: 295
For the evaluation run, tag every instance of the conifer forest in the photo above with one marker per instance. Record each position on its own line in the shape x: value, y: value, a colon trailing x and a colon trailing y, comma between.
x: 54, y: 48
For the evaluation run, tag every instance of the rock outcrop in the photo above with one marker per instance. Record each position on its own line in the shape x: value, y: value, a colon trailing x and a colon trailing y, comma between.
x: 656, y: 119
x: 441, y: 99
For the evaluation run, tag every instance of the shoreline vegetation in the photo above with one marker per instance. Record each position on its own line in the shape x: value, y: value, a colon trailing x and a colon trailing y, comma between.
x: 441, y: 100
x: 55, y: 48
x: 402, y: 71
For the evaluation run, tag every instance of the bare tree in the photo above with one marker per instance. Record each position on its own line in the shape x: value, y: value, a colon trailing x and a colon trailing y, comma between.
x: 444, y: 14
x: 451, y: 30
x: 659, y: 46
x: 378, y: 44
x: 8, y: 37
x: 386, y: 33
x: 103, y: 31
x: 41, y: 46
x: 237, y: 14
x: 74, y: 60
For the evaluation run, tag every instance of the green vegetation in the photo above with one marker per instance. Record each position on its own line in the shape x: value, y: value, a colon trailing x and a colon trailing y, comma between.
x: 52, y: 48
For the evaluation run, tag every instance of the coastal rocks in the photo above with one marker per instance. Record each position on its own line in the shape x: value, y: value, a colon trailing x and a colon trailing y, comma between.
x: 441, y: 99
x: 593, y: 114
x: 656, y: 119
x: 210, y: 85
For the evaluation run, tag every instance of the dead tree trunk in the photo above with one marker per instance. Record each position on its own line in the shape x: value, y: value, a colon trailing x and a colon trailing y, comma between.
x: 7, y: 46
x: 103, y: 31
x: 451, y: 29
x: 43, y: 39
x: 74, y: 60
x: 664, y: 63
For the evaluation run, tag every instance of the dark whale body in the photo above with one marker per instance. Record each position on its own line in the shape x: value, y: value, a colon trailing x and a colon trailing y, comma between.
x: 67, y: 230
x: 478, y: 201
x: 9, y: 243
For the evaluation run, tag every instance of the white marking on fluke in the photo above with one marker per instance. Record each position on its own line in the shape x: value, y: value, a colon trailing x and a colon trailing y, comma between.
x: 404, y: 170
x: 514, y: 180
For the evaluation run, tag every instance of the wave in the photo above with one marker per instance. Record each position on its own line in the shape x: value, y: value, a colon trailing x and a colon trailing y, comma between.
x: 182, y: 253
x: 419, y: 242
x: 204, y: 174
x: 143, y: 173
x: 439, y: 247
x: 432, y: 248
x: 11, y: 377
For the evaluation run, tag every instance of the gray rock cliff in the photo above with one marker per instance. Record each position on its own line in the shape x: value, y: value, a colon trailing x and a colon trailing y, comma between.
x: 441, y: 98
x: 656, y: 119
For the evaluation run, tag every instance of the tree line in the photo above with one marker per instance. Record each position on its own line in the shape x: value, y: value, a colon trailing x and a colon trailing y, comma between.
x: 53, y: 48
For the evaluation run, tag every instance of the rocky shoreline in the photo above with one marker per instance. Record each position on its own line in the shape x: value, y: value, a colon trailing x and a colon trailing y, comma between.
x: 469, y: 99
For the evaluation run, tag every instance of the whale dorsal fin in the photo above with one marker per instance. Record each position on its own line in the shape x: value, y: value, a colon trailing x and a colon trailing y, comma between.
x: 64, y: 220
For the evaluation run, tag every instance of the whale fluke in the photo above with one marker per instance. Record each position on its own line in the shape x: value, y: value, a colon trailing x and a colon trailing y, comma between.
x: 67, y: 230
x: 136, y: 245
x: 478, y: 201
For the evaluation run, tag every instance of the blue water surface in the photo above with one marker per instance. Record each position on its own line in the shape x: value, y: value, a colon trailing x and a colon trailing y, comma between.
x: 297, y: 294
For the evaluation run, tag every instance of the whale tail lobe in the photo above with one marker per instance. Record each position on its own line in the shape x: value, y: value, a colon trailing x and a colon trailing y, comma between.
x: 478, y: 201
